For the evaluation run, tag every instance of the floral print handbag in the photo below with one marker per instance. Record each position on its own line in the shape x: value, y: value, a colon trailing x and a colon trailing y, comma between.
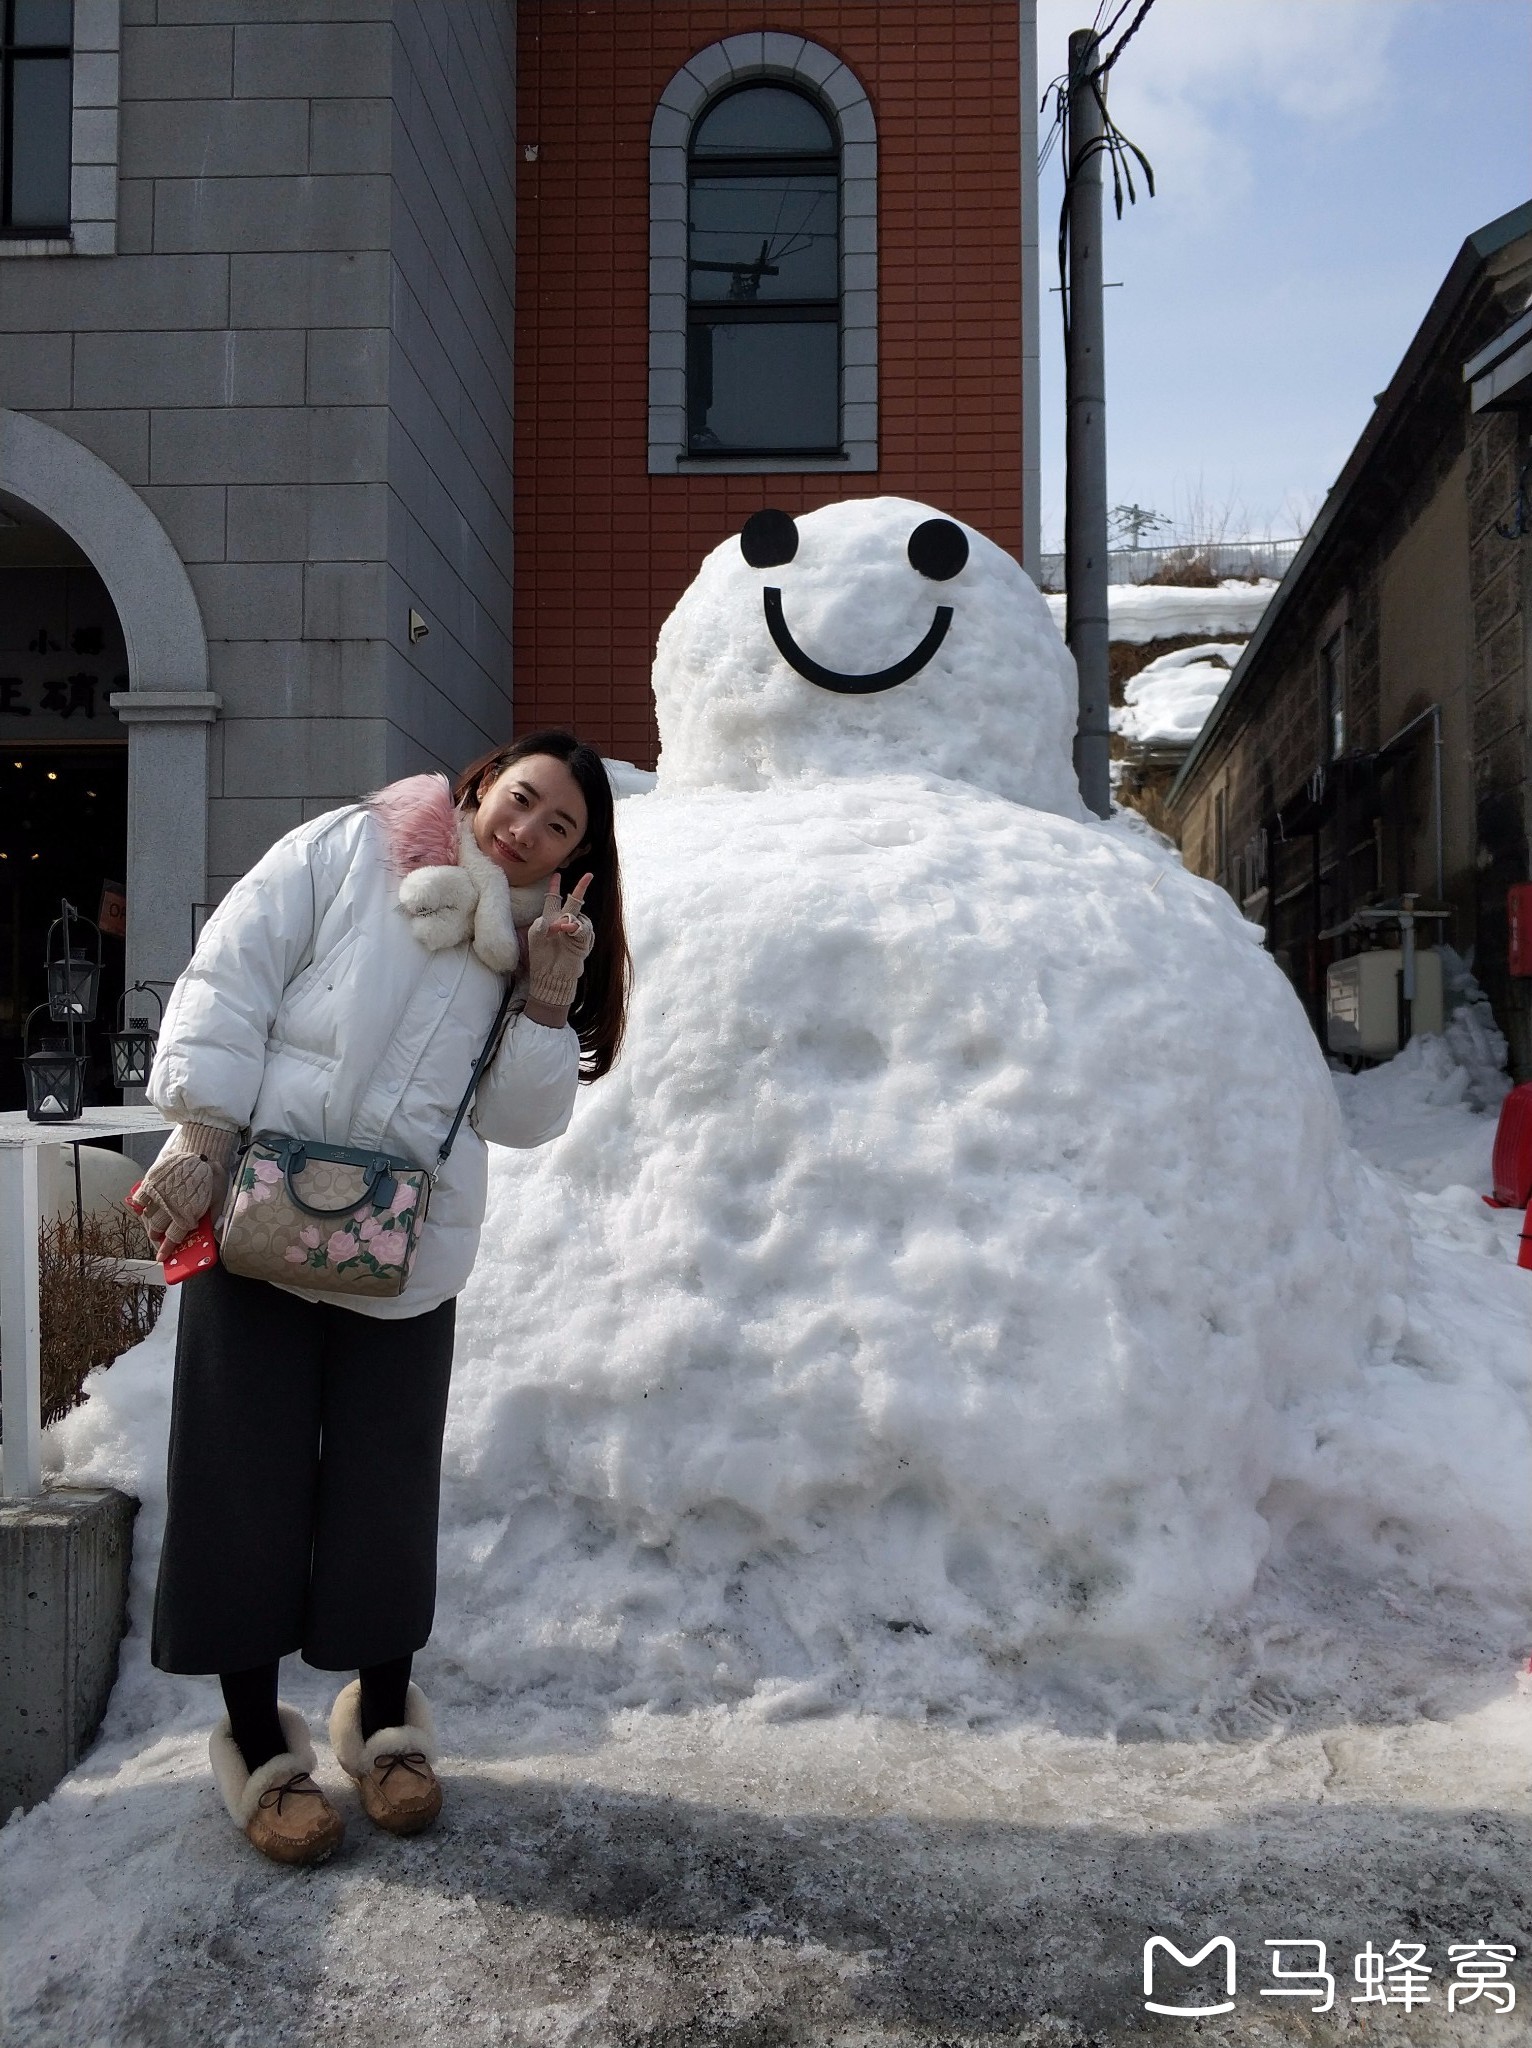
x: 333, y: 1219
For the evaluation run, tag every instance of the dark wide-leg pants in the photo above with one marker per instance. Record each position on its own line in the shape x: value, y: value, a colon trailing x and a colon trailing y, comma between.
x: 304, y: 1481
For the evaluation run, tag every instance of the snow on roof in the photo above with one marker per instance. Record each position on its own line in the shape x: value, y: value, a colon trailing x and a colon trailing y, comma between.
x: 1164, y: 611
x: 1170, y: 698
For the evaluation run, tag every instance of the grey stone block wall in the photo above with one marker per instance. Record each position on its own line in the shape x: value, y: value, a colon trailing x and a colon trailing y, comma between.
x: 452, y: 238
x: 301, y: 357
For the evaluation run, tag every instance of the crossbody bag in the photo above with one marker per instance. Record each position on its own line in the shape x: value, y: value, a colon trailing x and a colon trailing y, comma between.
x: 334, y: 1219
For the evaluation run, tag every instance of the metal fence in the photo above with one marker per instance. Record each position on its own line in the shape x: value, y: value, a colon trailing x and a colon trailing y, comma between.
x: 1224, y: 558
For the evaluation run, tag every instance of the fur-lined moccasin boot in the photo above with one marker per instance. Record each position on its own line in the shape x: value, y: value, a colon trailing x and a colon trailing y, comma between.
x: 279, y: 1806
x: 399, y: 1789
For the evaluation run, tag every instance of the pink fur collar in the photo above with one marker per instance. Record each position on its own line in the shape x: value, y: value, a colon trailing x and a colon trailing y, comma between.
x: 419, y: 822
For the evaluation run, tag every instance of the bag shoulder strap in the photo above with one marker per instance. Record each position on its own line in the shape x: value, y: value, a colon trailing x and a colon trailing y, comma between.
x: 480, y: 1064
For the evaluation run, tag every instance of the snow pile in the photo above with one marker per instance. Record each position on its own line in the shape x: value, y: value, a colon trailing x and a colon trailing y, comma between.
x: 1448, y: 1408
x: 119, y: 1438
x: 626, y: 780
x: 950, y: 1266
x: 1429, y: 1114
x: 1169, y: 700
x: 1164, y: 611
x: 994, y: 706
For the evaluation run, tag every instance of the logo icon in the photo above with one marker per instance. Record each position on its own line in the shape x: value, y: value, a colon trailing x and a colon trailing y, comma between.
x: 1218, y: 1941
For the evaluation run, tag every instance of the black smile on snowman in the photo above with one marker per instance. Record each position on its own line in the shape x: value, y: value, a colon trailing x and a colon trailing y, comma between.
x: 831, y: 678
x: 938, y: 548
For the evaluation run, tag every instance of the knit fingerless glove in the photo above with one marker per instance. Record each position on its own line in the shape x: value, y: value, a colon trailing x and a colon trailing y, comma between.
x: 556, y: 958
x: 189, y: 1179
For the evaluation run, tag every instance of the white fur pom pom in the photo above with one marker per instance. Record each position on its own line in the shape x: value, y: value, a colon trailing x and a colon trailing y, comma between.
x: 442, y: 901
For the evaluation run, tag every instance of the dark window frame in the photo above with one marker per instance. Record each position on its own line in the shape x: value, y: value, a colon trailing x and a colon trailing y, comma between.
x: 822, y: 312
x: 12, y: 53
x: 1221, y: 836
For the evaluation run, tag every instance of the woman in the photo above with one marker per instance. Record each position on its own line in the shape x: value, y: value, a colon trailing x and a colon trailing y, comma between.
x: 342, y: 992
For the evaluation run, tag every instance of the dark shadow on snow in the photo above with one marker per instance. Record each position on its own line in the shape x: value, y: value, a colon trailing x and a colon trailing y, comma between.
x: 617, y: 1918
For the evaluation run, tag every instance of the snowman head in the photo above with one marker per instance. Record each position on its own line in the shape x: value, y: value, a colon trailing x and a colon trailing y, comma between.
x: 873, y: 637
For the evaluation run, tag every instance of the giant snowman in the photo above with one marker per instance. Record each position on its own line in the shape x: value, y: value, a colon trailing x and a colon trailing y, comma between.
x: 963, y: 1248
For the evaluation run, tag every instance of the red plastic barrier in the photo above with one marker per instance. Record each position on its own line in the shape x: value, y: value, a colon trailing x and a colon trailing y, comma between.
x: 1512, y: 1164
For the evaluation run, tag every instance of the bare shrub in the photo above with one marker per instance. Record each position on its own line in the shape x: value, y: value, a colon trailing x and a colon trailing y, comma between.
x: 88, y: 1319
x: 1188, y: 568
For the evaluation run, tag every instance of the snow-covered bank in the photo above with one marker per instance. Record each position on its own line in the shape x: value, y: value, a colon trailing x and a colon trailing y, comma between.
x: 1164, y: 611
x: 1169, y: 700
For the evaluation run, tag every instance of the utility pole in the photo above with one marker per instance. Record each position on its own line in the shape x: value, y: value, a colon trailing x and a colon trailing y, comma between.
x: 1031, y: 308
x: 1085, y: 537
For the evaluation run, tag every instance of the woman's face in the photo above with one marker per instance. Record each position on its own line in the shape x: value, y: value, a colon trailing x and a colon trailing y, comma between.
x: 531, y: 819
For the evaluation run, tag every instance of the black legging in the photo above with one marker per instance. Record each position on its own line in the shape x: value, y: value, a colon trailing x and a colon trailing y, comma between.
x: 251, y: 1698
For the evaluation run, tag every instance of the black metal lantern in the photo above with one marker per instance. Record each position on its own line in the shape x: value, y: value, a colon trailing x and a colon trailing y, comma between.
x: 134, y: 1040
x: 55, y: 1075
x: 74, y: 974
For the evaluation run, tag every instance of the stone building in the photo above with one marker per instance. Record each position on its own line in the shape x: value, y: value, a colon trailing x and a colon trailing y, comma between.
x: 373, y: 374
x: 1375, y: 739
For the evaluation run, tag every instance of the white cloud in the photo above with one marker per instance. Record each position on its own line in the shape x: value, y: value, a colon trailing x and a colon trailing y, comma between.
x: 1198, y: 70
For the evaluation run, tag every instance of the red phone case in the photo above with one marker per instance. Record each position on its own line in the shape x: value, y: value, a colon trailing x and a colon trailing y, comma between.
x: 193, y: 1254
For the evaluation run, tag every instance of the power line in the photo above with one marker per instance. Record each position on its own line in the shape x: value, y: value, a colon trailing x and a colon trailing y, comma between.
x: 1103, y: 33
x: 1122, y: 152
x: 1131, y: 31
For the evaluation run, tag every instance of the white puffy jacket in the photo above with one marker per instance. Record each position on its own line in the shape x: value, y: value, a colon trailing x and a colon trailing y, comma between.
x: 317, y: 1004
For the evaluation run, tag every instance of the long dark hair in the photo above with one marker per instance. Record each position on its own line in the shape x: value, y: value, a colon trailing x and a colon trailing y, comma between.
x: 599, y: 1012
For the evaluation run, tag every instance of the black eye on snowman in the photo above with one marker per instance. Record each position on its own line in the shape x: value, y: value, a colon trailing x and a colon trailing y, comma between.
x: 937, y: 549
x: 769, y: 539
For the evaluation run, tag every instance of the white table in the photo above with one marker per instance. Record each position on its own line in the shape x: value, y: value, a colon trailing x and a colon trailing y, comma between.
x: 20, y: 1326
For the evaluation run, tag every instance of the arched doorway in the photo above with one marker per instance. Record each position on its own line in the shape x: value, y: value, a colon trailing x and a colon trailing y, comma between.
x: 51, y: 483
x: 63, y: 775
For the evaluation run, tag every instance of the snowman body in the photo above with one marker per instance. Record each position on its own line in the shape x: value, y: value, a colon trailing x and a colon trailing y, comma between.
x: 966, y: 1240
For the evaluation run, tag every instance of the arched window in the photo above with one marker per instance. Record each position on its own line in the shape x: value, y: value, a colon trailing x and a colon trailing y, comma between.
x: 763, y: 262
x: 763, y: 277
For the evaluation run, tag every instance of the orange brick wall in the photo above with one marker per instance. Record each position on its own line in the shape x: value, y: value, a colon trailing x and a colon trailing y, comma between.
x: 603, y: 549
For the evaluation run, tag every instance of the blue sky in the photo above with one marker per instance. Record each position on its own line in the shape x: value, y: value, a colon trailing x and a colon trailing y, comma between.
x: 1318, y: 164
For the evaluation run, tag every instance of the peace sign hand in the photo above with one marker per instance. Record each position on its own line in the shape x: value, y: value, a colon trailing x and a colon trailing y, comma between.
x: 557, y: 944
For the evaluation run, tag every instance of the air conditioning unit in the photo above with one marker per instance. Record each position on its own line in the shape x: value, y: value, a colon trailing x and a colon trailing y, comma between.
x: 1364, y: 1002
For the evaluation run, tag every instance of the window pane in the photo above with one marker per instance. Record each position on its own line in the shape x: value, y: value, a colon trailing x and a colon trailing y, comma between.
x: 764, y: 384
x: 764, y: 238
x: 44, y: 21
x: 1334, y: 685
x: 766, y: 120
x: 40, y: 142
